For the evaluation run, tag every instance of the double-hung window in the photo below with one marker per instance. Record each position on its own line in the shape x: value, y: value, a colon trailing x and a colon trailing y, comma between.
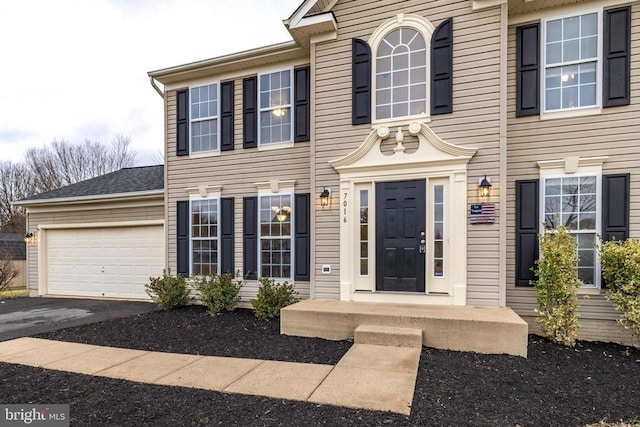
x: 204, y: 118
x: 401, y: 75
x: 275, y: 219
x: 572, y: 52
x: 204, y: 236
x: 573, y: 202
x: 275, y: 107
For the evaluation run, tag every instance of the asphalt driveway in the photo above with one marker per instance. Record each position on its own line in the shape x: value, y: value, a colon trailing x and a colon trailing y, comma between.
x: 22, y: 317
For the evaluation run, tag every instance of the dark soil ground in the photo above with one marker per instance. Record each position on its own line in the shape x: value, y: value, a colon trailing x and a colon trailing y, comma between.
x: 554, y: 386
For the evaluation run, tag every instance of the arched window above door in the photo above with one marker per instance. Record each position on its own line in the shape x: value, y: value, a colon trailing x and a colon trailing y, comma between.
x: 401, y: 75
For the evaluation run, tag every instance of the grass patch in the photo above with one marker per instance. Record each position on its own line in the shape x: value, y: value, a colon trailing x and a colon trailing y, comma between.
x: 11, y: 294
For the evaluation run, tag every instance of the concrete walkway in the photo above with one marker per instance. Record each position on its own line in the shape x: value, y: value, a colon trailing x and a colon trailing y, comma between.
x: 368, y: 376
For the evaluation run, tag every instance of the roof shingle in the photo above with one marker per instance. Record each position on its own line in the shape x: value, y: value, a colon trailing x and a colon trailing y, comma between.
x: 126, y: 180
x: 15, y: 244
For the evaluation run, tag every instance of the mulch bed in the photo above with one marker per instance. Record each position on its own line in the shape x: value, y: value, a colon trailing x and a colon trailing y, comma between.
x: 190, y: 330
x: 554, y: 386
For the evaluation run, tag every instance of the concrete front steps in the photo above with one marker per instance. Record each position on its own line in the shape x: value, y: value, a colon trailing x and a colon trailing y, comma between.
x: 489, y: 330
x: 387, y: 335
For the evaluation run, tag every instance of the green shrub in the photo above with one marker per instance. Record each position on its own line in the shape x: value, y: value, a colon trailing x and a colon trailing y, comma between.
x: 272, y: 297
x: 620, y: 262
x: 219, y: 293
x: 557, y: 286
x: 168, y: 291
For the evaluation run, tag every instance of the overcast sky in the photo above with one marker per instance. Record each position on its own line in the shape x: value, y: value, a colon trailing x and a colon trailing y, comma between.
x: 77, y: 69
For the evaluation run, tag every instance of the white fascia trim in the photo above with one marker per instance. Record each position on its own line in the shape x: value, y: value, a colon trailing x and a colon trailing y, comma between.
x: 142, y: 223
x: 484, y: 4
x: 310, y: 21
x: 226, y: 59
x: 90, y: 199
x: 299, y: 13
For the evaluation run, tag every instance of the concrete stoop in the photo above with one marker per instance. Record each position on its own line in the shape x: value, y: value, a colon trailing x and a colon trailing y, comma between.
x: 489, y: 330
x: 387, y: 335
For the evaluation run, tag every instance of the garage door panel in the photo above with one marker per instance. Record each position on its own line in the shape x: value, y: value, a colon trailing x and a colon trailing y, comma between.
x: 106, y: 262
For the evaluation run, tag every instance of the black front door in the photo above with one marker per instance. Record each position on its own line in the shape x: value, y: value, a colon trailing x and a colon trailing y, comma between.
x: 400, y: 227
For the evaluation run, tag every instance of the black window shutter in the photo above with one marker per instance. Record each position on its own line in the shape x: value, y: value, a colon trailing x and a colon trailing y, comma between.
x: 302, y: 230
x: 182, y: 122
x: 615, y: 206
x: 442, y: 68
x: 527, y: 224
x: 360, y: 82
x: 226, y: 116
x: 226, y: 235
x: 302, y: 106
x: 528, y: 70
x: 182, y: 232
x: 617, y: 47
x: 250, y: 237
x: 250, y: 112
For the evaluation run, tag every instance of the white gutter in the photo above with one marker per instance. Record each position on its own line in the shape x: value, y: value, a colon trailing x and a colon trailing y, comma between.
x: 239, y: 56
x: 92, y: 198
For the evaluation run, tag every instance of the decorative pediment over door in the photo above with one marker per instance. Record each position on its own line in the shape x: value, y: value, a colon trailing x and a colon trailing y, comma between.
x: 432, y: 152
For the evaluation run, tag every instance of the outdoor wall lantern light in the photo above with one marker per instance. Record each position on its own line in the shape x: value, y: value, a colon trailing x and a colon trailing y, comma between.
x: 325, y: 197
x: 485, y: 187
x: 30, y: 238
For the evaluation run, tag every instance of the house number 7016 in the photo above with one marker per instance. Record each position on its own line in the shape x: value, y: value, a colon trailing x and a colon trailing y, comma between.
x: 344, y: 204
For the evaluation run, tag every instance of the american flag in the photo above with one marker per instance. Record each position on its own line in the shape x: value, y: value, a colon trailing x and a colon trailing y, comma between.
x: 484, y: 213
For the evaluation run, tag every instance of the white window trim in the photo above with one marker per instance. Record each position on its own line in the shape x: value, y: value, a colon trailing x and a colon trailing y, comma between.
x: 291, y: 235
x: 204, y: 153
x: 211, y: 195
x: 281, y: 144
x: 576, y: 111
x: 277, y: 188
x: 422, y: 26
x: 576, y: 167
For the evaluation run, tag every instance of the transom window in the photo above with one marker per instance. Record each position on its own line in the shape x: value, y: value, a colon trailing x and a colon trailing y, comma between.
x: 573, y: 202
x: 401, y: 75
x: 571, y: 54
x: 275, y: 107
x: 275, y: 236
x: 204, y: 118
x: 204, y: 236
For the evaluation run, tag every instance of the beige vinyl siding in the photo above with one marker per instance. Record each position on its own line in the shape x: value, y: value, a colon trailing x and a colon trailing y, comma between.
x: 237, y: 171
x: 101, y: 213
x: 592, y: 330
x: 613, y: 133
x: 474, y: 123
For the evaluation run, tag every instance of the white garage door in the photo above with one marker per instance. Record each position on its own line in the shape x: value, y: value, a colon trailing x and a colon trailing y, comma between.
x: 104, y: 262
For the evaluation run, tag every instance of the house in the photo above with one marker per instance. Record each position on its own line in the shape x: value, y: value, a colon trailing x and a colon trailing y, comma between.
x: 398, y: 111
x: 405, y: 152
x: 103, y: 237
x: 12, y: 245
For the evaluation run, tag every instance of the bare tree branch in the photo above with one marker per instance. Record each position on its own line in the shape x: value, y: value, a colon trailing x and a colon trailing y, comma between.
x: 8, y: 269
x: 55, y: 165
